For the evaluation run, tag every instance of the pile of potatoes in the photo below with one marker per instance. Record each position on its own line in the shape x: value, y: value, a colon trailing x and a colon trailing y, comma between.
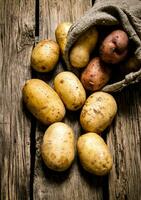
x: 98, y: 109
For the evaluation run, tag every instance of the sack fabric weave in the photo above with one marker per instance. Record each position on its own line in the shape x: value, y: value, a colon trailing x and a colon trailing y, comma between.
x: 108, y: 13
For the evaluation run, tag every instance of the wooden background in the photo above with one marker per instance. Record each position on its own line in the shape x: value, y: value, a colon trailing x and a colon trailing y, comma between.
x: 22, y: 172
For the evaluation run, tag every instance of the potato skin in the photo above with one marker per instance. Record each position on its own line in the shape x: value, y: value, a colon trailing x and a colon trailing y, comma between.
x: 98, y: 112
x: 95, y: 75
x: 61, y: 34
x: 80, y: 53
x: 114, y: 47
x: 43, y: 102
x: 70, y: 90
x: 45, y: 56
x: 130, y: 65
x: 94, y: 154
x: 58, y: 146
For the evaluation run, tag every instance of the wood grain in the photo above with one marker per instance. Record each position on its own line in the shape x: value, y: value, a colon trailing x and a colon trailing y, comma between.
x: 124, y: 140
x: 16, y: 41
x: 74, y: 183
x: 23, y: 174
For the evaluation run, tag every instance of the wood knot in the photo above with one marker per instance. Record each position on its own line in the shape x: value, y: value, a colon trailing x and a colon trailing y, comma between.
x: 27, y: 38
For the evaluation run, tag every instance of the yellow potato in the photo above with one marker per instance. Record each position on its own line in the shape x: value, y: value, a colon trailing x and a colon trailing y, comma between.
x: 61, y: 34
x: 94, y: 154
x: 80, y: 52
x: 131, y: 64
x: 43, y: 102
x: 98, y: 112
x: 45, y: 56
x: 58, y: 147
x: 70, y: 90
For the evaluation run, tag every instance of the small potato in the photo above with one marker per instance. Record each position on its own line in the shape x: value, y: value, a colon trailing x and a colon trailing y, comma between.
x: 94, y: 154
x: 98, y: 112
x: 58, y: 147
x: 130, y: 65
x: 61, y: 34
x: 80, y: 52
x: 43, y: 102
x: 114, y: 47
x: 45, y: 56
x: 70, y: 90
x: 95, y: 75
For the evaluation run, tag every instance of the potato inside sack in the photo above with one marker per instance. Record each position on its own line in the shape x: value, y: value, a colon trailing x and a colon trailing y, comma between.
x: 45, y: 56
x: 43, y: 102
x: 114, y: 48
x: 98, y: 112
x: 95, y: 75
x: 94, y: 154
x: 58, y: 147
x: 130, y: 65
x: 70, y: 90
x: 81, y: 50
x: 61, y: 34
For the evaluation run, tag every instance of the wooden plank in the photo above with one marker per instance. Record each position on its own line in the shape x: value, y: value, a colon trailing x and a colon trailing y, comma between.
x: 73, y: 184
x: 124, y: 140
x: 16, y: 42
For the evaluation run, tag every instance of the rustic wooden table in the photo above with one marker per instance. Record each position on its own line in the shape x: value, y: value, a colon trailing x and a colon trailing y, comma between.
x: 22, y: 172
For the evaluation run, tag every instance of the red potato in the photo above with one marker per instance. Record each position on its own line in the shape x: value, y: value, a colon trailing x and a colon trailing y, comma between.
x: 114, y: 48
x: 95, y: 75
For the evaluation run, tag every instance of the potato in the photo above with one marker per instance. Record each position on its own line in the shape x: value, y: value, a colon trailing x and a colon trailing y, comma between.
x: 94, y: 154
x: 114, y: 47
x: 43, y: 102
x: 95, y: 75
x: 98, y: 112
x: 58, y: 147
x: 45, y: 56
x: 61, y: 34
x: 130, y: 65
x: 70, y: 90
x: 80, y: 53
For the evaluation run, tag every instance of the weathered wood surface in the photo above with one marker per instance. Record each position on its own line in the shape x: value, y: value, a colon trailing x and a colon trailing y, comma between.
x: 23, y: 175
x: 16, y: 42
x: 124, y: 140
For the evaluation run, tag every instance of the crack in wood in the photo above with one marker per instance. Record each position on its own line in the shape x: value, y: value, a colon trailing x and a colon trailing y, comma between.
x: 37, y: 18
x: 33, y: 120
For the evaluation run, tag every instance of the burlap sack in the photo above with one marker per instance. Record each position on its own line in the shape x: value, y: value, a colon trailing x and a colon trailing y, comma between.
x: 110, y: 13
